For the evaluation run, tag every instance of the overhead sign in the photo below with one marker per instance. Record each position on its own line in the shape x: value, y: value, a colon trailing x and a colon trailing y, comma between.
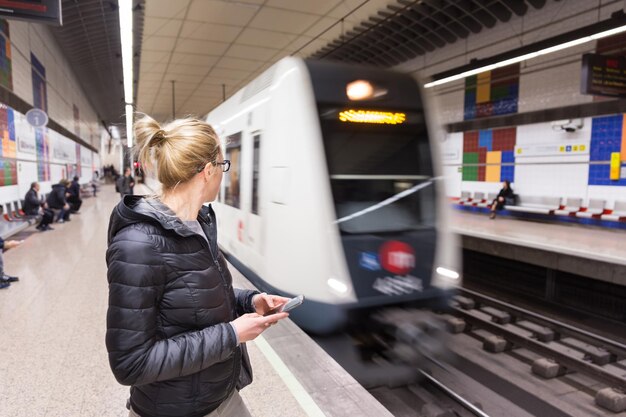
x: 39, y: 11
x: 603, y: 75
x: 37, y: 118
x: 372, y: 116
x: 552, y: 149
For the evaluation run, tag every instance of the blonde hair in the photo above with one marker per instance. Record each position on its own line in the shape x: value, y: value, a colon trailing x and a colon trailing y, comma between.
x: 180, y: 149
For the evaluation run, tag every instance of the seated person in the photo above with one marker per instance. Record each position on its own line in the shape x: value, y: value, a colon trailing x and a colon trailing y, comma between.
x: 74, y: 199
x: 57, y: 200
x: 6, y: 280
x: 505, y: 196
x: 34, y: 207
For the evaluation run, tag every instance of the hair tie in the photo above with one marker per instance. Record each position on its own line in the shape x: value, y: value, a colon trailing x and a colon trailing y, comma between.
x: 158, y: 137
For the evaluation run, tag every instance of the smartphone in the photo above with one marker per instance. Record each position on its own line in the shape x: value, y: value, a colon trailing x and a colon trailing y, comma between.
x: 288, y: 306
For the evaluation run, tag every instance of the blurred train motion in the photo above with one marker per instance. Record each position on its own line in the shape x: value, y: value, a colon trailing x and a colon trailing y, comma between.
x: 332, y: 192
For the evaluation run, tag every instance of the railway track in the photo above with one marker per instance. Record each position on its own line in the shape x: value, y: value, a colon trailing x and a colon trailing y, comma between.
x: 563, y: 348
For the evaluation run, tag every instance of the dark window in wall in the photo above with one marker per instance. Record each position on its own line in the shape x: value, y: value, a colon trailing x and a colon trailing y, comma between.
x: 232, y: 179
x: 255, y: 173
x: 40, y: 101
x: 6, y: 71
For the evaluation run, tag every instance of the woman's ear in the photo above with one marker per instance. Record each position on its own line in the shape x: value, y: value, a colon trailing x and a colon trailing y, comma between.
x: 207, y: 171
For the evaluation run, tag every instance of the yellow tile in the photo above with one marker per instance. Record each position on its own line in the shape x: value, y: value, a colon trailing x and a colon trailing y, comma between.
x: 483, y: 87
x: 615, y: 165
x: 492, y: 172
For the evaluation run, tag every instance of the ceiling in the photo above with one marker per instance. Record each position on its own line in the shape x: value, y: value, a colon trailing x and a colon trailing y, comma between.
x: 90, y: 39
x: 409, y: 28
x: 212, y: 48
x: 205, y: 44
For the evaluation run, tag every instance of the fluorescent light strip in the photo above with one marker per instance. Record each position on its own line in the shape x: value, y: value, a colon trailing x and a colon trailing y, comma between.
x: 126, y: 36
x: 129, y: 124
x: 526, y: 56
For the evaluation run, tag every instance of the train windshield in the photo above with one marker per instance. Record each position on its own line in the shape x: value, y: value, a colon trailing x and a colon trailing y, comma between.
x: 380, y: 170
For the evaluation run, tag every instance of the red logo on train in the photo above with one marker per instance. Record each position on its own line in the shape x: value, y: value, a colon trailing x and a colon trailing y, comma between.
x: 397, y: 257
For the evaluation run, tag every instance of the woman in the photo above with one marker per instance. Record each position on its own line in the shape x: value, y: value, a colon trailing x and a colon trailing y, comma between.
x: 505, y: 196
x: 176, y: 328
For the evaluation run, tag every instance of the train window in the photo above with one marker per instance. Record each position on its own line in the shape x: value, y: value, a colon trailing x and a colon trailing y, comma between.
x: 255, y: 173
x: 370, y: 165
x: 232, y: 179
x: 376, y: 149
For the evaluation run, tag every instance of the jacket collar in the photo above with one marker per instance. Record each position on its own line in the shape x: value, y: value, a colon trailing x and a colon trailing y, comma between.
x: 136, y: 209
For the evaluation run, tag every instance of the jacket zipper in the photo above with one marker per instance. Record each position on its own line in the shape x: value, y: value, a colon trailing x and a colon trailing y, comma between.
x: 236, y: 368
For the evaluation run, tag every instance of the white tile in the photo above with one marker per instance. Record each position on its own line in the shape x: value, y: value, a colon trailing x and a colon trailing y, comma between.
x: 195, y: 46
x: 166, y: 8
x: 265, y: 38
x: 210, y: 31
x: 221, y: 12
x: 283, y: 21
x: 256, y: 53
x: 155, y: 26
x: 158, y: 43
x: 239, y: 64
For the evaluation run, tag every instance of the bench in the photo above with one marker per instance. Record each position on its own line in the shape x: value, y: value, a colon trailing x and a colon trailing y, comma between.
x: 536, y: 204
x: 595, y: 208
x: 572, y: 206
x: 11, y: 223
x: 618, y: 213
x: 466, y: 198
x: 488, y: 201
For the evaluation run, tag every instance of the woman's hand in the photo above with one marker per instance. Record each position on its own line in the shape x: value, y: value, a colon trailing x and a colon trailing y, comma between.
x: 249, y: 326
x: 263, y: 303
x: 10, y: 244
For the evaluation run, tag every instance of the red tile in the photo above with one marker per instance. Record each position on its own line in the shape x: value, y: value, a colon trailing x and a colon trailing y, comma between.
x: 470, y: 141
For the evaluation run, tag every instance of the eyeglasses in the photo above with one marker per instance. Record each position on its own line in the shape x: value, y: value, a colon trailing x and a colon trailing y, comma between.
x: 225, y: 165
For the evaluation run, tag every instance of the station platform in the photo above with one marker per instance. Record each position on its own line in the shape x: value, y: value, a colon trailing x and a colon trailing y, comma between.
x: 590, y: 251
x: 52, y: 322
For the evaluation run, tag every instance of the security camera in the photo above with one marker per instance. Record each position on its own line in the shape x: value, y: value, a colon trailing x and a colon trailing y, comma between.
x: 568, y: 125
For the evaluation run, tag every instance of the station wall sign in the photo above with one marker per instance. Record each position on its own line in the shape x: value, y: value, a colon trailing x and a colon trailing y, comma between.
x: 38, y: 11
x: 603, y: 75
x: 37, y: 118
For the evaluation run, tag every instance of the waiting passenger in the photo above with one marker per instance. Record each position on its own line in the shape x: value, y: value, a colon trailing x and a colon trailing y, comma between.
x: 505, y: 197
x: 6, y: 280
x: 33, y: 206
x: 74, y: 199
x: 57, y: 200
x: 95, y: 179
x: 176, y: 329
x: 125, y: 183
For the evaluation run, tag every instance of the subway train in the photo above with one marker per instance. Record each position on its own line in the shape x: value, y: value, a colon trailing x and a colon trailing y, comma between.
x: 334, y: 192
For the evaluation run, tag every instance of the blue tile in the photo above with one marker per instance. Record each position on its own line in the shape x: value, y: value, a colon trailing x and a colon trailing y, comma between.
x: 485, y: 139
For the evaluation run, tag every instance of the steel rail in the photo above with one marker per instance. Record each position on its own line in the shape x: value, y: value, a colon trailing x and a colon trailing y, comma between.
x: 456, y: 397
x: 569, y: 362
x: 612, y: 346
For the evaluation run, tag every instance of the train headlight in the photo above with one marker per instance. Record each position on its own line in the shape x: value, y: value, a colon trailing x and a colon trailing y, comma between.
x: 360, y: 90
x: 337, y: 285
x: 448, y: 273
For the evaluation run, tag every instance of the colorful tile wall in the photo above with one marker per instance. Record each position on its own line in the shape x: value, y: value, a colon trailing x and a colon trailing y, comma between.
x: 8, y: 148
x: 8, y: 172
x: 492, y: 93
x: 6, y: 72
x: 488, y: 155
x: 608, y: 135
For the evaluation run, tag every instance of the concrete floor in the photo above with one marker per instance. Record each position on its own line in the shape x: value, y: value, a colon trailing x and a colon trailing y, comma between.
x: 53, y: 360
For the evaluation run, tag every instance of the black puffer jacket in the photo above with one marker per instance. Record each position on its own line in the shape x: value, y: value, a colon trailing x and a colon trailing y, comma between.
x: 56, y: 198
x: 31, y: 203
x: 170, y: 303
